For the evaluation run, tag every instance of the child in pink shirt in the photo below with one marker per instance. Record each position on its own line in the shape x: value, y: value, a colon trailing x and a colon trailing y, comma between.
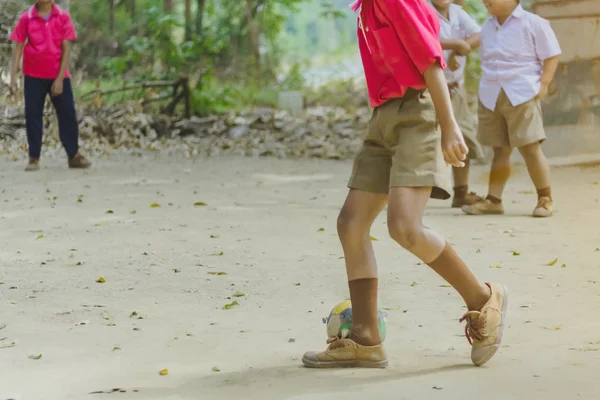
x: 402, y: 163
x: 42, y: 38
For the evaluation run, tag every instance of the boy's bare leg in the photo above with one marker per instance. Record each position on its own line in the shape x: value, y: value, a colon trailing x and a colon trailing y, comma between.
x: 405, y: 222
x: 461, y: 175
x: 499, y: 175
x: 501, y: 165
x: 354, y: 226
x: 539, y: 171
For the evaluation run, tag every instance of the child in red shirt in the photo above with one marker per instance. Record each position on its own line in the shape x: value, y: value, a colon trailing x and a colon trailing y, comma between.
x: 404, y: 161
x: 42, y: 36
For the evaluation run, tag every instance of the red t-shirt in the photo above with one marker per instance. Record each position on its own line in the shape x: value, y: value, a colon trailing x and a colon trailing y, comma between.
x: 43, y: 51
x: 398, y: 42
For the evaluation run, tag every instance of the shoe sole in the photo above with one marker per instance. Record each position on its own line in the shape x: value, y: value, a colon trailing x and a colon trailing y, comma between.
x: 344, y: 364
x: 482, y: 212
x: 501, y: 329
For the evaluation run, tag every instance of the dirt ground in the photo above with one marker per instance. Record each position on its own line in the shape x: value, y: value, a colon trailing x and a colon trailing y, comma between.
x: 270, y: 226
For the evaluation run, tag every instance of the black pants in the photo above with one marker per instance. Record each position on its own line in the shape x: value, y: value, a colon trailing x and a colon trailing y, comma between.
x: 36, y: 91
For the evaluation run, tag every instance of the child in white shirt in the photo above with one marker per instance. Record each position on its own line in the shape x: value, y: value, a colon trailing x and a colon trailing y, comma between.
x: 459, y: 35
x: 519, y: 56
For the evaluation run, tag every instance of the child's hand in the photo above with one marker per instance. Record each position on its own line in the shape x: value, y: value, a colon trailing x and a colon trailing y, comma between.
x: 453, y: 145
x: 453, y: 63
x: 57, y: 87
x: 543, y: 92
x: 463, y: 48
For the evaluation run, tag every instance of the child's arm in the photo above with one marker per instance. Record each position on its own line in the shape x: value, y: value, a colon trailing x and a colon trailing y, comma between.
x: 460, y: 47
x: 17, y: 54
x: 418, y: 31
x: 548, y: 71
x: 473, y: 41
x: 57, y: 86
x: 547, y: 49
x: 453, y: 144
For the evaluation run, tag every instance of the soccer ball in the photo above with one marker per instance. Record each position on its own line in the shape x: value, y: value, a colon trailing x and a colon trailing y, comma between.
x: 339, y: 321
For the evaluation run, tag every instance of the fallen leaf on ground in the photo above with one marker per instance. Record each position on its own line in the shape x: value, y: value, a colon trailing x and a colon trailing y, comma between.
x: 116, y: 348
x: 101, y: 280
x: 216, y: 369
x: 239, y: 294
x: 214, y: 236
x: 231, y: 305
x: 553, y: 262
x: 164, y: 372
x: 478, y: 251
x: 82, y: 323
x: 132, y: 212
x: 105, y: 315
x: 373, y: 238
x: 40, y: 237
x: 558, y: 327
x: 564, y: 266
x: 35, y: 356
x: 199, y: 204
x: 496, y: 266
x: 413, y: 284
x: 154, y: 205
x: 516, y: 253
x: 597, y: 249
x: 321, y: 230
x: 110, y: 212
x: 176, y: 270
x: 219, y: 273
x: 221, y: 253
x: 291, y: 340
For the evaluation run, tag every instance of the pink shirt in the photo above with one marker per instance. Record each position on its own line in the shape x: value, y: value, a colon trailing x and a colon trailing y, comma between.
x: 398, y: 42
x: 43, y: 51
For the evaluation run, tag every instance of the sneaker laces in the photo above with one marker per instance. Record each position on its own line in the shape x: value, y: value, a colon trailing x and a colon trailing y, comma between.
x: 474, y: 327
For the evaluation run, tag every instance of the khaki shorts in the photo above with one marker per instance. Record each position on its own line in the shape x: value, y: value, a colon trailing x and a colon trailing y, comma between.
x: 402, y: 148
x: 510, y: 126
x: 464, y: 117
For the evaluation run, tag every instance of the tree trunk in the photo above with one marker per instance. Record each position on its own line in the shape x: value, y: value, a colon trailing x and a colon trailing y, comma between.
x: 253, y: 30
x: 111, y: 4
x: 188, y: 20
x: 169, y: 6
x: 200, y: 16
x: 132, y: 8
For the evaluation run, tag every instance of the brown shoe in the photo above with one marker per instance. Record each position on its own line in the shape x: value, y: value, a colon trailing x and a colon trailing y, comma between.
x: 79, y: 162
x: 346, y: 353
x: 484, y: 207
x: 485, y: 327
x: 543, y: 208
x: 470, y: 199
x: 33, y: 165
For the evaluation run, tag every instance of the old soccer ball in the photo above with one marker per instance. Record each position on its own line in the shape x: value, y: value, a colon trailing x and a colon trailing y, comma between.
x: 339, y: 321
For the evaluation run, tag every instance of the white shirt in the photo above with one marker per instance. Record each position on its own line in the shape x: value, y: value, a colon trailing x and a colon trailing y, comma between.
x: 459, y: 25
x: 512, y: 57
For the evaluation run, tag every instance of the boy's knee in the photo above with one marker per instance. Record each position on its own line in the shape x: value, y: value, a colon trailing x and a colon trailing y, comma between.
x: 530, y: 151
x: 349, y: 222
x: 502, y: 153
x: 406, y: 233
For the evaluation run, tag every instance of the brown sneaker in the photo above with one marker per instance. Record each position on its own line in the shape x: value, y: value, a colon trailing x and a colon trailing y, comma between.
x: 33, y: 165
x: 484, y: 328
x: 470, y: 199
x: 543, y: 208
x: 79, y: 162
x: 483, y: 207
x: 346, y: 353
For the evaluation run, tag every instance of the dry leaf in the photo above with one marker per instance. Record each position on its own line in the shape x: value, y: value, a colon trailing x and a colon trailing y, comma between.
x: 216, y: 369
x: 564, y: 266
x: 321, y: 230
x: 214, y: 236
x: 105, y: 316
x: 413, y: 284
x: 478, y: 251
x: 176, y: 270
x: 116, y: 348
x: 221, y: 253
x: 558, y: 327
x: 239, y: 294
x: 374, y: 239
x: 219, y: 273
x: 437, y: 388
x: 35, y: 356
x: 496, y: 266
x: 83, y: 323
x: 516, y: 253
x: 132, y: 212
x: 154, y: 205
x: 110, y: 212
x: 291, y: 340
x: 231, y: 305
x: 40, y: 236
x: 164, y: 372
x: 553, y: 262
x: 101, y: 280
x: 199, y: 204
